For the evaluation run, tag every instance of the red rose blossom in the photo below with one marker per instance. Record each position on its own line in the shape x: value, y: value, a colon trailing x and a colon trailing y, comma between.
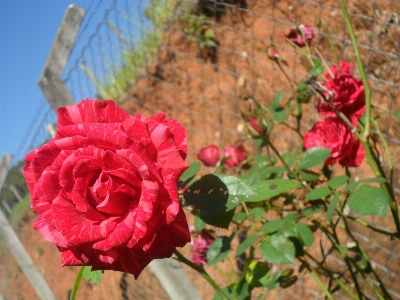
x: 294, y: 34
x: 234, y: 155
x: 209, y: 155
x: 105, y: 187
x: 348, y: 96
x: 344, y: 68
x: 334, y: 134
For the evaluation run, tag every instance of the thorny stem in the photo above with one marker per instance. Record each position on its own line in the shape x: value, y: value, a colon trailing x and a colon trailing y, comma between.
x: 202, y: 272
x: 287, y: 77
x: 301, y: 51
x: 367, y: 129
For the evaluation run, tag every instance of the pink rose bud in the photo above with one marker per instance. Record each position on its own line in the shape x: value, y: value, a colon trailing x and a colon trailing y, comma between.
x: 234, y: 155
x: 294, y: 34
x: 254, y: 128
x: 209, y: 156
x: 272, y: 53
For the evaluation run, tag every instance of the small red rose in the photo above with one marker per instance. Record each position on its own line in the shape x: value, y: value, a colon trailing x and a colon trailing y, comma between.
x: 234, y: 155
x: 334, y: 134
x: 200, y: 246
x: 294, y: 35
x: 209, y: 155
x: 105, y: 187
x: 344, y: 68
x: 347, y: 94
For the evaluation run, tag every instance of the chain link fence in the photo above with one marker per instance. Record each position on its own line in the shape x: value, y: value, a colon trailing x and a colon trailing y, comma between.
x: 202, y: 63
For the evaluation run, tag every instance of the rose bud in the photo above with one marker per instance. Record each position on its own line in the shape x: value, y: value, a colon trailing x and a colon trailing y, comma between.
x: 209, y: 156
x: 334, y: 134
x: 294, y: 35
x: 272, y: 53
x: 234, y: 155
x: 105, y: 187
x: 200, y: 247
x: 255, y: 127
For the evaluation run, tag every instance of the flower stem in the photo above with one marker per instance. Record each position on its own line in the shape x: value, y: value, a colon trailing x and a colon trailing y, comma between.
x: 202, y: 272
x: 77, y: 283
x: 367, y: 129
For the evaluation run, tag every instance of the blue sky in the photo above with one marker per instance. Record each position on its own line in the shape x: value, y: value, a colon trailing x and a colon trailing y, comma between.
x: 27, y: 31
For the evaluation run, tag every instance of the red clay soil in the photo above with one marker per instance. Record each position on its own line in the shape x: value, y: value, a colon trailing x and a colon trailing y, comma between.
x: 206, y: 93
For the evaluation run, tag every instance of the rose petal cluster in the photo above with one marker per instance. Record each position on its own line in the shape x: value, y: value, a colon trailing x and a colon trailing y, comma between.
x: 346, y: 93
x: 294, y: 35
x: 334, y: 134
x: 200, y: 245
x: 105, y: 187
x: 209, y: 155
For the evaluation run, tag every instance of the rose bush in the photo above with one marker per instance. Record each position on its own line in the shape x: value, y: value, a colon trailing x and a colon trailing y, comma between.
x: 334, y: 134
x: 105, y: 187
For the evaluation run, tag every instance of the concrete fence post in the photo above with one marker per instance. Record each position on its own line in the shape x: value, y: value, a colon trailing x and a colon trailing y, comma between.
x: 50, y: 82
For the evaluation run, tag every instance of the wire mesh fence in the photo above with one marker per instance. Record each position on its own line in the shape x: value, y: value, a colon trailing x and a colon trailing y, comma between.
x: 202, y: 62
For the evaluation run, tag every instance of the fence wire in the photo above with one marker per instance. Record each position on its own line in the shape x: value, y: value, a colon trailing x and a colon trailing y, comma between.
x: 153, y: 56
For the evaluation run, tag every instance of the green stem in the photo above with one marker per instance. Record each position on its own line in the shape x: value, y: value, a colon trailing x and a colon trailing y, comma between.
x: 321, y: 284
x: 202, y: 272
x: 367, y: 129
x: 301, y: 51
x: 77, y: 284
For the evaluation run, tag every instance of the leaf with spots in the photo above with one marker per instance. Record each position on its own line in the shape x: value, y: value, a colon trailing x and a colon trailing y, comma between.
x: 217, y: 219
x: 270, y: 188
x: 217, y: 193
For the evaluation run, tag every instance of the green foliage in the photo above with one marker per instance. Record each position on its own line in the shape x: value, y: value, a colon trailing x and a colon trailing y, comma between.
x: 19, y: 211
x: 369, y: 200
x: 195, y: 27
x: 313, y: 157
x: 92, y: 276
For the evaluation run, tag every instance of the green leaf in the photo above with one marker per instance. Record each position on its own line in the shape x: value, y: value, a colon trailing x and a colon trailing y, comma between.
x: 92, y: 276
x: 257, y: 212
x: 249, y: 241
x: 259, y: 274
x: 270, y: 188
x: 332, y: 207
x: 271, y: 226
x: 369, y: 200
x: 239, y: 216
x: 318, y: 68
x: 306, y: 235
x: 313, y: 157
x: 278, y: 250
x: 279, y: 115
x: 219, y: 249
x: 337, y: 182
x: 208, y: 193
x: 354, y: 184
x: 308, y: 175
x: 396, y: 114
x: 189, y: 174
x: 199, y: 224
x: 310, y: 211
x: 217, y: 219
x: 277, y: 100
x: 318, y: 193
x: 237, y: 190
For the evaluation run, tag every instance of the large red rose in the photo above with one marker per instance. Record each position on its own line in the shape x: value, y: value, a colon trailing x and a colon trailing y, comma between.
x: 348, y: 93
x: 105, y: 187
x: 334, y: 134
